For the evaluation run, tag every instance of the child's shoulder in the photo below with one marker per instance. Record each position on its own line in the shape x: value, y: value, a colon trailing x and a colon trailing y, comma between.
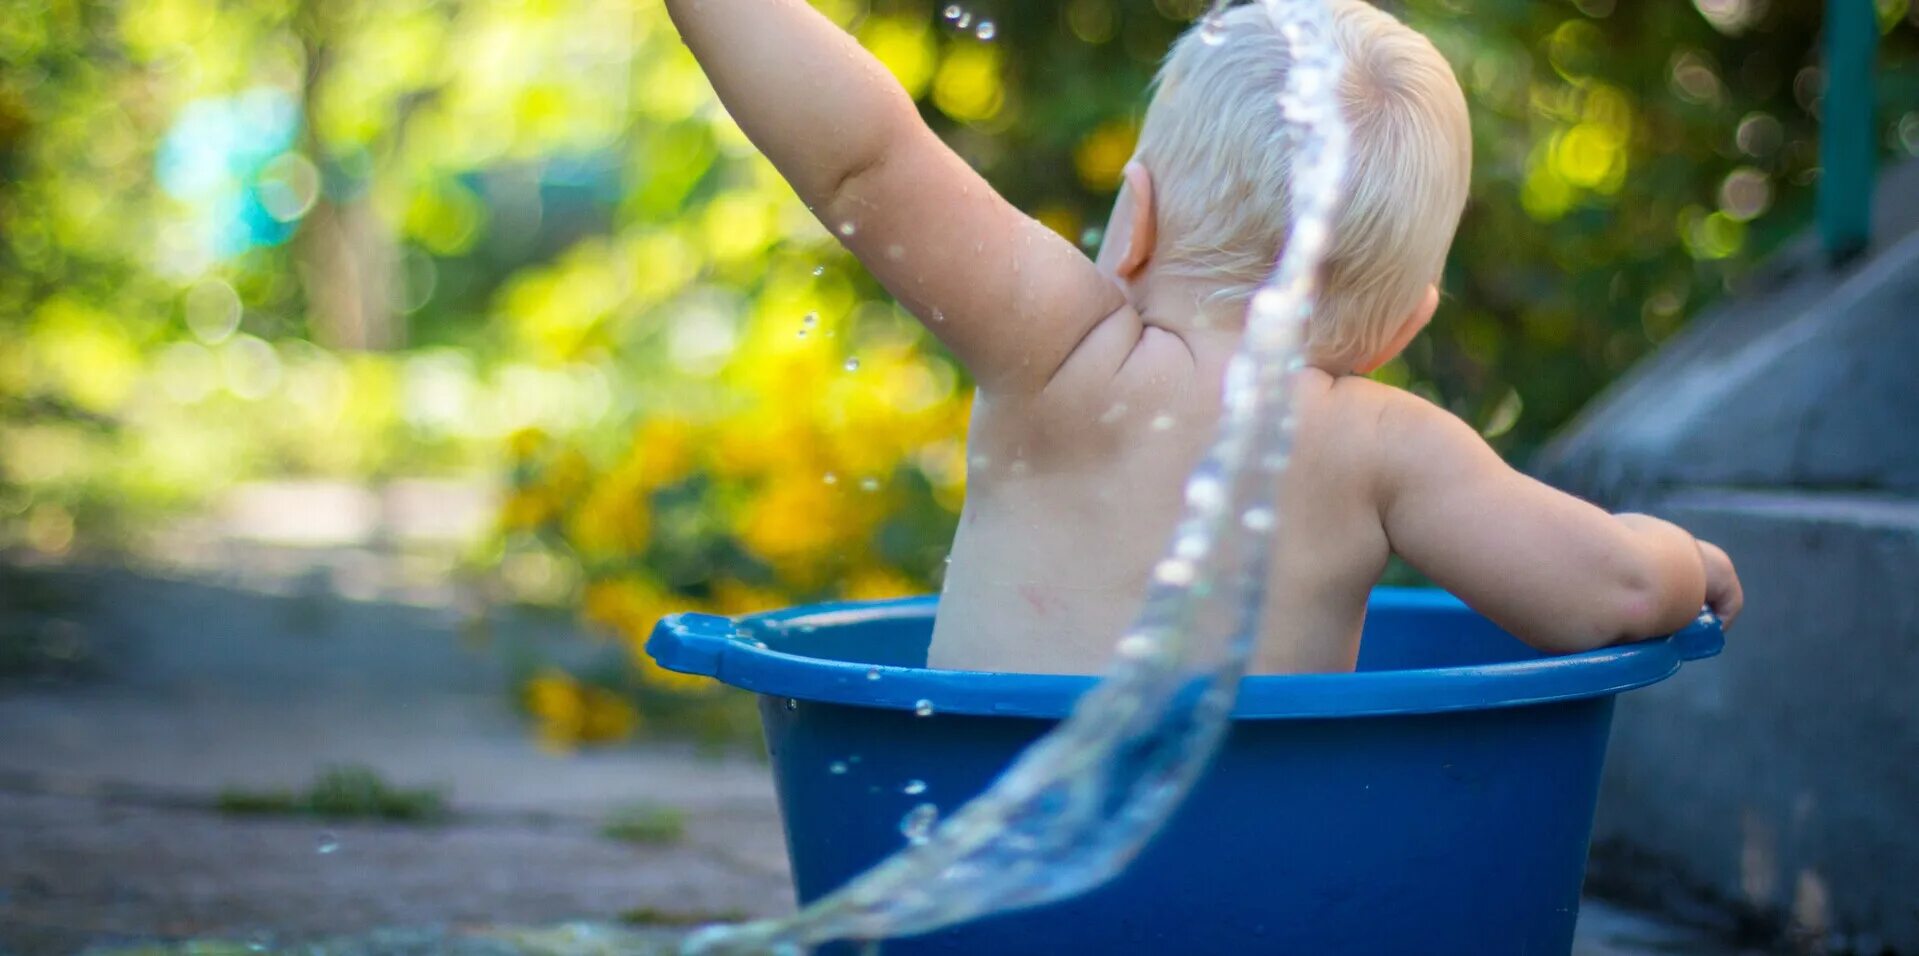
x: 1369, y: 428
x: 1384, y: 412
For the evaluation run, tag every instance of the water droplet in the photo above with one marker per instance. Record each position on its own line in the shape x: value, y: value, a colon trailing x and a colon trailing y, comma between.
x: 914, y: 788
x: 895, y: 252
x: 1163, y: 422
x: 327, y: 843
x: 1137, y: 646
x: 792, y: 704
x: 1257, y: 519
x: 852, y: 364
x: 872, y: 673
x: 1092, y: 237
x: 869, y: 485
x: 986, y: 30
x: 1191, y: 546
x: 939, y: 316
x: 819, y: 271
x: 1212, y: 30
x: 924, y: 708
x: 836, y: 768
x: 847, y: 229
x: 809, y: 318
x: 1204, y: 492
x: 964, y: 22
x: 951, y: 12
x: 1175, y: 571
x: 830, y: 478
x: 917, y: 824
x: 802, y: 334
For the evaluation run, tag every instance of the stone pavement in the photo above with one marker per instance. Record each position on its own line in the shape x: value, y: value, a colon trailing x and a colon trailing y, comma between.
x: 109, y: 835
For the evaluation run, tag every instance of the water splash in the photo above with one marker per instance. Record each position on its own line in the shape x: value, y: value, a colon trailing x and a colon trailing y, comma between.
x: 1074, y: 809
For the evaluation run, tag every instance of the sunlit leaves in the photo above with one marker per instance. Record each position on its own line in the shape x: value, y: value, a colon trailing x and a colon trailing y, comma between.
x: 968, y: 86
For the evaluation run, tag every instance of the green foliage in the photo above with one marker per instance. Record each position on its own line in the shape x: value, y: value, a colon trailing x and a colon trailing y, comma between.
x: 341, y: 793
x: 654, y: 916
x: 646, y: 823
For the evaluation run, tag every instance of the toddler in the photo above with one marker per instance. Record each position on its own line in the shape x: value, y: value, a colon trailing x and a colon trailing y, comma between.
x: 1099, y: 381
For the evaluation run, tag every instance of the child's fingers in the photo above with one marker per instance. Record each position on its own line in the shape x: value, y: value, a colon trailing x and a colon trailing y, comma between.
x: 1723, y: 591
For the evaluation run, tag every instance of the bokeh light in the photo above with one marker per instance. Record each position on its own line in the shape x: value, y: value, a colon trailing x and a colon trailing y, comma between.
x: 522, y: 244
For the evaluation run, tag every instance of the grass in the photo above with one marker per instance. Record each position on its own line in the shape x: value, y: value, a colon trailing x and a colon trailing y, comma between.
x: 654, y: 916
x: 341, y: 793
x: 647, y: 824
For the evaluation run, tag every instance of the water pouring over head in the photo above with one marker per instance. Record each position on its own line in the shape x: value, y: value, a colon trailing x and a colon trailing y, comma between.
x: 1203, y: 206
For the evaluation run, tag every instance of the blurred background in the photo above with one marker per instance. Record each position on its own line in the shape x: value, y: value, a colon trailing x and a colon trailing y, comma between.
x: 519, y: 248
x: 485, y: 307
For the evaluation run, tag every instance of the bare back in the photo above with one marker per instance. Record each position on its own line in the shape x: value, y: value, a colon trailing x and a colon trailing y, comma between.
x: 1073, y: 497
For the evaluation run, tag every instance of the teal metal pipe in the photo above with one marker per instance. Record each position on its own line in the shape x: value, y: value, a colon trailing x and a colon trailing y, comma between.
x: 1846, y: 141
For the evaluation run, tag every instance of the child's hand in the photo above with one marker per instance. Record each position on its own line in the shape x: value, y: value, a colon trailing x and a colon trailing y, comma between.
x: 1723, y: 593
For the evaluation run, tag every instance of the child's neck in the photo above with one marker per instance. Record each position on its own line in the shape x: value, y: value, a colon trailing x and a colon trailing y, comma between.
x: 1182, y: 303
x: 1185, y: 305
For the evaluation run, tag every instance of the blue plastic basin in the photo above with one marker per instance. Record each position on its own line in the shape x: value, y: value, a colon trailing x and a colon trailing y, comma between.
x: 1438, y: 801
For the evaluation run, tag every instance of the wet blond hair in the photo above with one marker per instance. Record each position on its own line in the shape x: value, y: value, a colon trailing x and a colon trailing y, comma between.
x: 1213, y: 143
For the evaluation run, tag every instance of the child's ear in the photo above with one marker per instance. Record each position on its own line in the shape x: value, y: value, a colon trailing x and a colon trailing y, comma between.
x: 1143, y: 225
x: 1415, y: 322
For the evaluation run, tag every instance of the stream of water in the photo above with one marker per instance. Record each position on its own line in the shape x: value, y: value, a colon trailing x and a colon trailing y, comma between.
x: 1079, y: 804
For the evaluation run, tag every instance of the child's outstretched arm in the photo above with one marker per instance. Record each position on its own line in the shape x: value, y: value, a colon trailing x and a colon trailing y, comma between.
x: 1555, y: 571
x: 1012, y: 299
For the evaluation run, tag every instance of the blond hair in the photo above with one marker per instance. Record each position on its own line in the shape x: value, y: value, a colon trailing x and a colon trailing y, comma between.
x: 1213, y: 142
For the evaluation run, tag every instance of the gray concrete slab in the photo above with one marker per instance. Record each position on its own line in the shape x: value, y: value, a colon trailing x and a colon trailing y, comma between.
x: 1781, y: 776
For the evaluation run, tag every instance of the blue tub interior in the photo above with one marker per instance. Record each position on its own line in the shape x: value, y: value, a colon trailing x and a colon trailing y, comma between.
x: 1406, y: 628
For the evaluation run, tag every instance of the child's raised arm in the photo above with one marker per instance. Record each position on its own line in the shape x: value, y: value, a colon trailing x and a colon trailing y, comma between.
x: 1007, y: 295
x: 1555, y: 571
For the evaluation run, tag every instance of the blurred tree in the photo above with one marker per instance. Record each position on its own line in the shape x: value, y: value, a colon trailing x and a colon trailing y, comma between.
x: 267, y: 236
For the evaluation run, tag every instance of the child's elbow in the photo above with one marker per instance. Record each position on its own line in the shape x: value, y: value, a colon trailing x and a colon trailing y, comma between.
x: 1650, y: 605
x: 1619, y: 613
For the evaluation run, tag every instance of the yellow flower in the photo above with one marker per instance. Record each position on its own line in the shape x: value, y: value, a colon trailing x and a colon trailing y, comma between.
x: 878, y: 584
x: 628, y: 606
x: 1102, y: 155
x: 673, y: 682
x: 525, y: 443
x: 569, y: 713
x: 967, y: 86
x: 568, y: 475
x: 615, y: 520
x: 525, y: 509
x: 734, y: 598
x: 798, y: 517
x: 663, y: 451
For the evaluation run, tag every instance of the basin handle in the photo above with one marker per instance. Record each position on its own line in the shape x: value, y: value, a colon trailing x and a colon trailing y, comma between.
x: 1704, y: 637
x: 692, y: 643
